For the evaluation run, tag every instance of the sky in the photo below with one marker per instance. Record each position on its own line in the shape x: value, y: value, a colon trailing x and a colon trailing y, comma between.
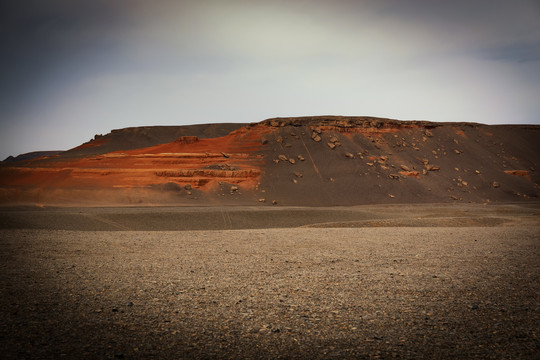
x: 72, y: 69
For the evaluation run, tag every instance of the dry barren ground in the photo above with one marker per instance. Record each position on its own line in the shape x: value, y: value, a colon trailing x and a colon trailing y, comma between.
x: 386, y: 282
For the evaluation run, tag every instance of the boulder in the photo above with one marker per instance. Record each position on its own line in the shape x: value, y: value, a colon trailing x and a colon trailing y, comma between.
x: 410, y: 173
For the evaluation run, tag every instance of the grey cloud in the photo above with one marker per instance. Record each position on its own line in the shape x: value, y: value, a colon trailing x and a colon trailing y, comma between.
x: 125, y: 62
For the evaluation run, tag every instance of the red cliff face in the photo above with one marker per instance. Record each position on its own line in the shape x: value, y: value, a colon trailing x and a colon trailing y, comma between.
x: 320, y: 161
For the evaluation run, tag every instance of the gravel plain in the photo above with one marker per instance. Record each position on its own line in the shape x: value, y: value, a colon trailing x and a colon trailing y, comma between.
x: 417, y: 290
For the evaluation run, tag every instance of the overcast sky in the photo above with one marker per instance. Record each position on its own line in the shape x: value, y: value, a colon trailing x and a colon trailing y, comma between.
x: 72, y: 69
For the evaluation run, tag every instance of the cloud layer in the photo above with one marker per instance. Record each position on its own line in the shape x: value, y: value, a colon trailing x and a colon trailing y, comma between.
x: 78, y: 68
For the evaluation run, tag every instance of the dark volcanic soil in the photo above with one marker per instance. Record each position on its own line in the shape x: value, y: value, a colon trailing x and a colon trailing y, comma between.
x: 427, y: 291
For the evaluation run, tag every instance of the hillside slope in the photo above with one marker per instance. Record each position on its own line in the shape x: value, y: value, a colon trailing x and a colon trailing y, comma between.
x: 308, y: 161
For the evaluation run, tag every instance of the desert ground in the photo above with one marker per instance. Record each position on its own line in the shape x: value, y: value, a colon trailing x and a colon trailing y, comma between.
x: 380, y: 281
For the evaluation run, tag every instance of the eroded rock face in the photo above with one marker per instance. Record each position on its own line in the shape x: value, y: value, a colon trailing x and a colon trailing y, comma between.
x: 350, y: 124
x: 523, y: 173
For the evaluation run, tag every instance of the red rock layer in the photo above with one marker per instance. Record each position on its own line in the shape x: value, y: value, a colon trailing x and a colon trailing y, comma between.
x: 187, y: 162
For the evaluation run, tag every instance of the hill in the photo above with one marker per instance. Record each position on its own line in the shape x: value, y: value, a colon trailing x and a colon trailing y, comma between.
x: 306, y: 161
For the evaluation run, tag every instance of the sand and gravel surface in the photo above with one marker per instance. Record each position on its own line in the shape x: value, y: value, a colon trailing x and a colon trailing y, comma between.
x: 368, y: 282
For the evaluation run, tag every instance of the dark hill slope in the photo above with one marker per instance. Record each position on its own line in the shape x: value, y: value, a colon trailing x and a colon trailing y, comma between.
x: 146, y: 136
x: 371, y: 160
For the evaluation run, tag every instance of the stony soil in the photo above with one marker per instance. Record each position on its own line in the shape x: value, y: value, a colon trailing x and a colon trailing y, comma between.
x: 366, y: 292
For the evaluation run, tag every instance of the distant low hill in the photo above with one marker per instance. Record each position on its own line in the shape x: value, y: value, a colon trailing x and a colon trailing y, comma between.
x: 32, y: 155
x: 304, y: 161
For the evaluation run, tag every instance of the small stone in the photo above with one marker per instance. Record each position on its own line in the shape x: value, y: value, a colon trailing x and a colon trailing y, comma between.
x: 391, y: 196
x: 187, y: 187
x: 495, y: 184
x: 262, y: 200
x: 331, y: 145
x: 283, y: 158
x: 301, y: 158
x: 291, y: 160
x: 405, y: 168
x: 457, y: 151
x: 274, y: 202
x: 349, y: 155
